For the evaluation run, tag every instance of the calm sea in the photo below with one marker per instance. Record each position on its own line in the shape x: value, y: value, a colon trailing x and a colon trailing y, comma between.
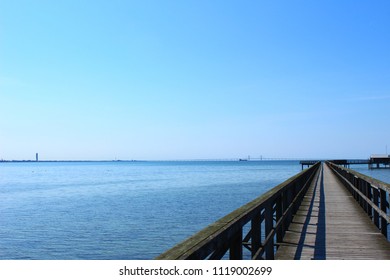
x: 122, y: 210
x: 380, y: 174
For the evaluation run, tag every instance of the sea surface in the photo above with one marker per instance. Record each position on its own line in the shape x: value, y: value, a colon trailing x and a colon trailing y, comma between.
x: 123, y: 210
x: 382, y: 174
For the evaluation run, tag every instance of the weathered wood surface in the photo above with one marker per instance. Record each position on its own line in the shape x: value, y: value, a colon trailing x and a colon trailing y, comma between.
x: 331, y: 225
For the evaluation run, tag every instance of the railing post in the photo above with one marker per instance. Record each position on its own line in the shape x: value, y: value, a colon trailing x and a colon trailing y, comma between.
x: 256, y: 233
x: 279, y: 215
x: 376, y: 202
x: 289, y: 199
x: 294, y: 194
x: 363, y: 189
x: 384, y: 209
x: 269, y: 224
x: 287, y: 219
x: 356, y: 183
x: 235, y: 251
x: 355, y: 193
x: 369, y: 196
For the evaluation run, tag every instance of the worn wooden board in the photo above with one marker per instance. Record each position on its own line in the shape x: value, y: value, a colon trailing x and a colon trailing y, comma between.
x: 330, y: 224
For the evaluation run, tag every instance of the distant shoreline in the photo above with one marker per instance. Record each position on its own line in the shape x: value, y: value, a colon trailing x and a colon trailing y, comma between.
x: 25, y: 161
x: 155, y: 160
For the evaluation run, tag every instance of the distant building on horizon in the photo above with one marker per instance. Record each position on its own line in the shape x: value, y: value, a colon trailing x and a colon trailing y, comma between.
x: 36, y: 157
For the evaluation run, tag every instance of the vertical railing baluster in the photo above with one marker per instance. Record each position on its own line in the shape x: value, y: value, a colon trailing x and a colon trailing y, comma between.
x: 295, y: 191
x: 363, y: 185
x: 269, y: 247
x: 384, y: 209
x: 256, y: 232
x: 376, y: 202
x: 286, y: 221
x: 364, y: 191
x: 356, y: 194
x: 288, y: 202
x: 235, y: 251
x: 369, y: 196
x: 279, y: 215
x: 358, y: 186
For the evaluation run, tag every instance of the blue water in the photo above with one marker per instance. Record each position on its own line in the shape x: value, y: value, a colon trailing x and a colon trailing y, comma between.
x: 124, y: 210
x: 381, y: 174
x: 121, y: 210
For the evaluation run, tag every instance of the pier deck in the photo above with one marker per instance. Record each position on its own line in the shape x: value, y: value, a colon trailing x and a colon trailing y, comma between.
x: 331, y: 225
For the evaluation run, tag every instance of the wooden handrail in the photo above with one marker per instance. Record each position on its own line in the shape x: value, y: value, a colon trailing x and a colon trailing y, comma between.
x: 374, y: 182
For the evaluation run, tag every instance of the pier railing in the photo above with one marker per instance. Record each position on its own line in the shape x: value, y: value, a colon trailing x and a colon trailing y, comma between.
x: 371, y: 194
x: 256, y: 227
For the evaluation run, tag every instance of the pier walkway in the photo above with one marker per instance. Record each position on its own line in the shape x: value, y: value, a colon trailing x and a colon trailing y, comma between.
x: 331, y: 225
x: 325, y: 212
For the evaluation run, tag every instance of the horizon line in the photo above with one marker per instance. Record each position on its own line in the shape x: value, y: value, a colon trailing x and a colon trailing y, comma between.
x: 176, y: 160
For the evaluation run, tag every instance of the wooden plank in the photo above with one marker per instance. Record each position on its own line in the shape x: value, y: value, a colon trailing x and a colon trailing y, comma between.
x: 330, y: 224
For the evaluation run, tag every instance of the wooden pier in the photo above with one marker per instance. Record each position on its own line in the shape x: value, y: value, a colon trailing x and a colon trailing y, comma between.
x: 375, y: 161
x: 324, y: 212
x: 331, y: 225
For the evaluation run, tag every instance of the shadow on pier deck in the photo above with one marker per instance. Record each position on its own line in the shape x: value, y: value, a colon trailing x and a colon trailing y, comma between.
x: 325, y: 212
x: 330, y: 225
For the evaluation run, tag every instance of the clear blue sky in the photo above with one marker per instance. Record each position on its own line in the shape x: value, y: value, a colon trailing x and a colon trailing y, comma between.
x: 194, y: 79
